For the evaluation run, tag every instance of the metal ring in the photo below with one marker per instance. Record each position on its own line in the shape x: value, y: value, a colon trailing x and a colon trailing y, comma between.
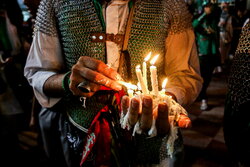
x: 84, y: 87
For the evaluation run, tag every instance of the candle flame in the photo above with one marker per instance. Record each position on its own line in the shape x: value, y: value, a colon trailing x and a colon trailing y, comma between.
x: 152, y: 62
x: 138, y: 66
x: 128, y: 85
x: 148, y: 57
x: 164, y: 83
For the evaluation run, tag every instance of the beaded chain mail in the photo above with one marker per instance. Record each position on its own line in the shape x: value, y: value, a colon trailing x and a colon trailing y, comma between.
x: 73, y: 21
x: 239, y: 78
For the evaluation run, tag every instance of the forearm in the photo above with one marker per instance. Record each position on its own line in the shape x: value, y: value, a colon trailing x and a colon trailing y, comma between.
x: 53, y: 86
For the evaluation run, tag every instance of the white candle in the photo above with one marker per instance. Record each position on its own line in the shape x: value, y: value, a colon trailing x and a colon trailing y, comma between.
x: 130, y: 93
x: 144, y: 68
x: 164, y: 83
x: 128, y: 85
x: 138, y: 86
x: 154, y: 80
x: 141, y: 80
x: 130, y: 88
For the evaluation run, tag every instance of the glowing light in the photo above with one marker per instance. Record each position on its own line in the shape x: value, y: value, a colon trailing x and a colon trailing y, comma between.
x: 128, y: 85
x: 164, y: 83
x: 152, y: 62
x: 148, y: 56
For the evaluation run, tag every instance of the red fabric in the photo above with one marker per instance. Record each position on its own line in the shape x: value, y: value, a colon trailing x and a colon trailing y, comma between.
x: 119, y: 96
x: 91, y: 139
x: 103, y: 144
x: 99, y: 134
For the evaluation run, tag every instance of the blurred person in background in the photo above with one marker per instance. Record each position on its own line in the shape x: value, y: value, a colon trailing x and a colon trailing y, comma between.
x: 32, y: 6
x: 10, y: 108
x: 226, y: 32
x: 206, y: 30
x: 13, y: 72
x: 238, y: 20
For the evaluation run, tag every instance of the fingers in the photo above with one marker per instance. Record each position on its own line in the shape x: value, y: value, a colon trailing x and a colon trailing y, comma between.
x: 134, y: 111
x: 100, y: 67
x: 100, y: 79
x: 75, y: 79
x: 184, y: 121
x: 125, y: 104
x: 162, y: 121
x: 97, y: 72
x: 147, y: 113
x: 145, y: 118
x: 132, y: 107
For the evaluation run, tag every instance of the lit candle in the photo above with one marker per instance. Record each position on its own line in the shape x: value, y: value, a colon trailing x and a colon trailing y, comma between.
x: 130, y: 88
x: 164, y: 83
x: 141, y: 80
x: 138, y: 92
x: 128, y: 85
x: 154, y: 80
x: 130, y: 93
x: 144, y: 68
x: 138, y: 86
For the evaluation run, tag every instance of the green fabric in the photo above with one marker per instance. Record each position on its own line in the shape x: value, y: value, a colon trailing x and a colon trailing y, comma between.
x: 98, y: 7
x: 66, y: 82
x: 5, y: 44
x: 207, y: 43
x: 130, y: 4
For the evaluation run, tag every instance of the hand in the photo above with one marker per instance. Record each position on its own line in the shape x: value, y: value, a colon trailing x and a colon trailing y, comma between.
x: 147, y: 114
x: 209, y: 30
x: 95, y: 74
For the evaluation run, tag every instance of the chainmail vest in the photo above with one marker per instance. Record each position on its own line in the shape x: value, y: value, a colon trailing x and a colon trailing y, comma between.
x: 239, y: 80
x: 73, y: 21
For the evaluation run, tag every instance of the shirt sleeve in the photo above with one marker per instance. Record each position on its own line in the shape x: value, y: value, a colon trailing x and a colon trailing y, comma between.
x: 181, y: 59
x: 43, y: 61
x: 182, y: 67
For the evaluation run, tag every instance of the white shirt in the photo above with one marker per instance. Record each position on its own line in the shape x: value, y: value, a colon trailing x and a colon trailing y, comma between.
x: 116, y: 15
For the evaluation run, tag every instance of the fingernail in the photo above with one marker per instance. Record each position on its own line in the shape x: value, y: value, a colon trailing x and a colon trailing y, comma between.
x: 162, y: 108
x: 134, y: 103
x: 147, y: 101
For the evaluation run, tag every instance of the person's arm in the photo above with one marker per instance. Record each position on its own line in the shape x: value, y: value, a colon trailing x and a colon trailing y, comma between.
x: 45, y: 69
x: 45, y: 56
x: 181, y: 59
x: 44, y: 62
x: 197, y: 22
